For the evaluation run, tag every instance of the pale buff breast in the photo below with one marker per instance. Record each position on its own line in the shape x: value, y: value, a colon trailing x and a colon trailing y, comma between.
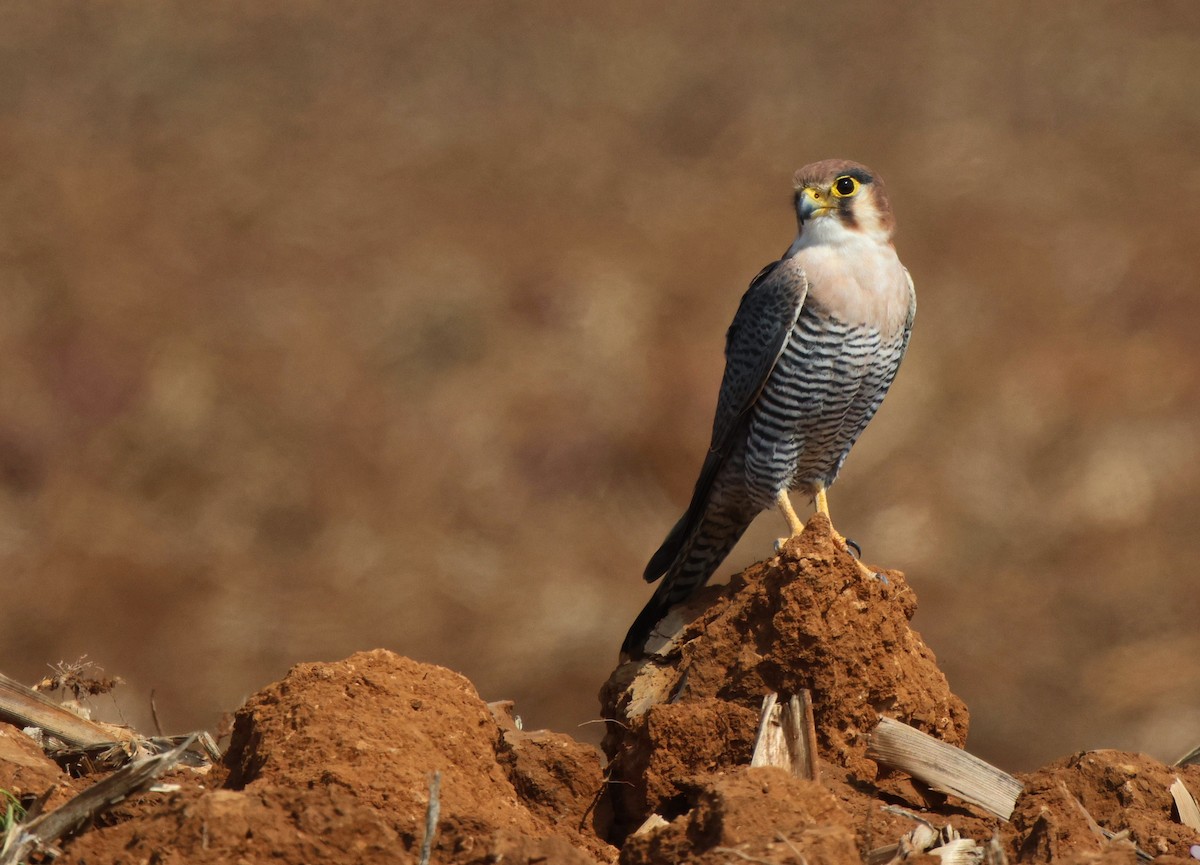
x: 859, y: 281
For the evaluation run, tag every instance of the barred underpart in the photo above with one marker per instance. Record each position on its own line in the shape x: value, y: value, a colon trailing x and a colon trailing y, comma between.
x: 826, y: 387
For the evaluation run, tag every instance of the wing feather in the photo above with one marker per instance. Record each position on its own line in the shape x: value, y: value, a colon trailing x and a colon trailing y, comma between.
x: 755, y: 340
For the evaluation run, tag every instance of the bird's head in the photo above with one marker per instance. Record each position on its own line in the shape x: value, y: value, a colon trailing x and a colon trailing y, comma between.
x: 836, y: 196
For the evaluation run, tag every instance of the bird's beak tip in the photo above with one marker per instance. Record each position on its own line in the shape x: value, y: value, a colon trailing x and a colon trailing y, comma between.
x: 810, y: 203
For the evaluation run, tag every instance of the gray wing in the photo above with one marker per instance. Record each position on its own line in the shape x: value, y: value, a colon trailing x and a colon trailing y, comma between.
x: 753, y: 344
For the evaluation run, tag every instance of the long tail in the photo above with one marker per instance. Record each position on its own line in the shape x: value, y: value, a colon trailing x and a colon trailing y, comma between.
x: 697, y: 554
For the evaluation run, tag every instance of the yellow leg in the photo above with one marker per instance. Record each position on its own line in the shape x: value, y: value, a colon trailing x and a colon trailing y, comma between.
x: 822, y: 503
x: 795, y: 524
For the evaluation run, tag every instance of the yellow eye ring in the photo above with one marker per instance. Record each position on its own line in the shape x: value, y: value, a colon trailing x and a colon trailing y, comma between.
x: 845, y: 186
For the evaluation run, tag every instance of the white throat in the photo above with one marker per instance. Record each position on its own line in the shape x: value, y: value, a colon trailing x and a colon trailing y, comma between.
x: 829, y: 231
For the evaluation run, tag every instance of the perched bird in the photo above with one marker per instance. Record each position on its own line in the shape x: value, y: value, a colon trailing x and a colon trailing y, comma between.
x: 811, y: 352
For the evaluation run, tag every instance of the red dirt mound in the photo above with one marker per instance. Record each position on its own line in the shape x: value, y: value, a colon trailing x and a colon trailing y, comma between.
x: 1069, y: 804
x: 683, y: 724
x: 806, y: 619
x: 335, y: 762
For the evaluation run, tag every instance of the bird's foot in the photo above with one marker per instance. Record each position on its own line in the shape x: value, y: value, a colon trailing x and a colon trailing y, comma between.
x: 855, y: 550
x: 870, y: 574
x: 845, y: 544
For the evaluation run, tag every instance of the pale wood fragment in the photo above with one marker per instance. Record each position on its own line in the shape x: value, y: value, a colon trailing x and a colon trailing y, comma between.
x: 944, y: 767
x: 769, y: 746
x: 650, y: 824
x: 787, y: 735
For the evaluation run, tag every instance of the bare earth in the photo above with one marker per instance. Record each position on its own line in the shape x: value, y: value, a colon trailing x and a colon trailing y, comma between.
x: 334, y: 762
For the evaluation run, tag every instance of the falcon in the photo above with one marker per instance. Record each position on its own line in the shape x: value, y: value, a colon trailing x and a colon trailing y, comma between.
x: 814, y: 347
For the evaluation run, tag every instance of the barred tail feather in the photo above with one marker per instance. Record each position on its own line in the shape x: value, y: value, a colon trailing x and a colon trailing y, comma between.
x: 697, y: 557
x: 639, y: 632
x: 666, y: 554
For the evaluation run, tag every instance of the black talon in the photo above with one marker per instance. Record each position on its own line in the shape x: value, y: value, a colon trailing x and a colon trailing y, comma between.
x: 853, y: 545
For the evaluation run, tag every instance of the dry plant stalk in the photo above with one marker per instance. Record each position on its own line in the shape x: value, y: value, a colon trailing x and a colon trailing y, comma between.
x: 1103, y: 835
x: 46, y: 830
x: 1192, y: 756
x: 25, y: 707
x: 1094, y: 827
x: 650, y: 824
x: 770, y: 745
x: 432, y: 812
x: 81, y: 677
x: 813, y: 768
x: 946, y: 844
x: 944, y: 767
x: 787, y: 735
x: 1185, y: 804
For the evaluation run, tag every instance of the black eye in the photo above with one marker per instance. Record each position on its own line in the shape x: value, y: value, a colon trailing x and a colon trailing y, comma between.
x: 845, y: 185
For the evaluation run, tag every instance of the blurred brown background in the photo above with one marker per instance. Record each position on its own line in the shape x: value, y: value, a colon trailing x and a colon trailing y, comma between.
x: 328, y: 327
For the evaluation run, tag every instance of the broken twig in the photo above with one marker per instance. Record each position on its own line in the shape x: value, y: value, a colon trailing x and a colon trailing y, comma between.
x: 431, y: 817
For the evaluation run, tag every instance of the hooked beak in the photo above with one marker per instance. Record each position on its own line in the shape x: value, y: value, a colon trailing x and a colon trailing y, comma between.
x: 811, y: 202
